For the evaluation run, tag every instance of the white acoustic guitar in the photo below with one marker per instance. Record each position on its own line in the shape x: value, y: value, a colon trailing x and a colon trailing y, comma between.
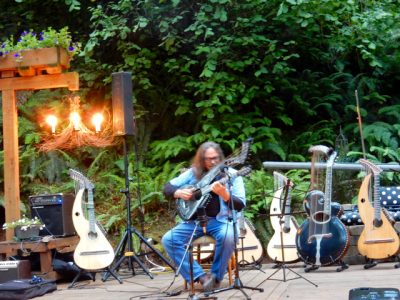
x: 93, y: 251
x: 282, y: 246
x: 249, y: 247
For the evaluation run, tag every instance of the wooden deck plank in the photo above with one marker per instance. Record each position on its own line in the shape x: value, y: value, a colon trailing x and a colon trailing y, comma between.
x: 331, y: 285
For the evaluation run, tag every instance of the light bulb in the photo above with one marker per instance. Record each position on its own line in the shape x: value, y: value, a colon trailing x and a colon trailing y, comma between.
x: 75, y: 119
x: 52, y: 121
x: 97, y: 119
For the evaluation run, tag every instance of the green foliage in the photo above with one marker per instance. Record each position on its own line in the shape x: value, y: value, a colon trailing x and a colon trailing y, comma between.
x: 283, y: 72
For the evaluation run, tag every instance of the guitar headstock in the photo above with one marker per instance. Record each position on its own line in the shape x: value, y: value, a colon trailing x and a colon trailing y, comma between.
x: 243, y: 156
x: 281, y: 180
x: 244, y: 171
x: 369, y: 166
x: 83, y: 181
x: 328, y: 153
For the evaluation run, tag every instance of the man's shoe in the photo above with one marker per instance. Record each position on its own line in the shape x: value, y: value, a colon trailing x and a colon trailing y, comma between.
x: 204, y: 278
x: 211, y: 284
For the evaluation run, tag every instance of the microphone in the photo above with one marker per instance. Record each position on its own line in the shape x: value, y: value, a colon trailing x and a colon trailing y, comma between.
x: 202, y: 218
x: 223, y: 168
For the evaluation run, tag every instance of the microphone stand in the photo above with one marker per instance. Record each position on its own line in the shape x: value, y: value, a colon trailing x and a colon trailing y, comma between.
x: 237, y: 283
x: 283, y: 265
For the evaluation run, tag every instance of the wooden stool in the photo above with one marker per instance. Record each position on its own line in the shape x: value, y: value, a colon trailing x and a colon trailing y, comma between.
x: 203, y: 252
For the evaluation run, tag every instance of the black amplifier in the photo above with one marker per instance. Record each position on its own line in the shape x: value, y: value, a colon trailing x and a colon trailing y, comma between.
x: 55, y: 211
x: 367, y: 293
x: 14, y: 269
x: 46, y: 199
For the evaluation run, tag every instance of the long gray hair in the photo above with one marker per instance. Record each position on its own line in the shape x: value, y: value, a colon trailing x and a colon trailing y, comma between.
x: 198, y: 160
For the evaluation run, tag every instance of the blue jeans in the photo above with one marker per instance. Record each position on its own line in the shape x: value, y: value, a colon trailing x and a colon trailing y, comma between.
x: 175, y: 242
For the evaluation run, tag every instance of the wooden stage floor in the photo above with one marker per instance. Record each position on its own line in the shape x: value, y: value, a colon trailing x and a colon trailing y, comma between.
x: 331, y: 284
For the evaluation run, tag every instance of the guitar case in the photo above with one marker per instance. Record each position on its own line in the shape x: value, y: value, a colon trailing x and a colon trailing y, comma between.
x: 23, y: 289
x: 365, y: 293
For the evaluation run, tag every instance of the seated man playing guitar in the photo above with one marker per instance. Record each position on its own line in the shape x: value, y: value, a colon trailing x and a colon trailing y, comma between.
x: 218, y: 213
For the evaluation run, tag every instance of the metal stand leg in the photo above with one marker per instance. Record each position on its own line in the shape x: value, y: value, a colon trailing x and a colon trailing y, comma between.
x: 124, y: 249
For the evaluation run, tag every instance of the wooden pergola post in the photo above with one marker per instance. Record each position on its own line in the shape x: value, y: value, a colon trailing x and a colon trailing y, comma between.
x: 8, y: 87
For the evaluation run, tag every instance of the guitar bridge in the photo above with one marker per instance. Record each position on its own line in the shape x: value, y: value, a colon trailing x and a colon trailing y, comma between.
x: 379, y: 241
x: 99, y: 252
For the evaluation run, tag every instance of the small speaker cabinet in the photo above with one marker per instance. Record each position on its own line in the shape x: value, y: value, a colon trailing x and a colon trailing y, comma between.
x: 122, y: 105
x: 55, y: 211
x: 14, y: 269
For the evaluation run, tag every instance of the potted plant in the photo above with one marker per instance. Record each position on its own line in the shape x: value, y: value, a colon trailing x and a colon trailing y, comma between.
x: 33, y: 53
x: 25, y: 228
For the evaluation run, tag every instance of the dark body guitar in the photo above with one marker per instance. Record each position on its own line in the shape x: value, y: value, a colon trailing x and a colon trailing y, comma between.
x: 328, y: 241
x: 322, y: 239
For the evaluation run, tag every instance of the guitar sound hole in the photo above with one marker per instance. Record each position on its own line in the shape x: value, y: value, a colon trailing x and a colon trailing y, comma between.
x: 92, y: 235
x: 362, y: 200
x: 321, y: 217
x: 77, y: 214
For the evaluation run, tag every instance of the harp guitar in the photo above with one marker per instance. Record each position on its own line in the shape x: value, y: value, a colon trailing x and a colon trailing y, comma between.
x: 187, y: 208
x: 379, y: 239
x: 93, y: 251
x: 282, y: 245
x: 322, y: 239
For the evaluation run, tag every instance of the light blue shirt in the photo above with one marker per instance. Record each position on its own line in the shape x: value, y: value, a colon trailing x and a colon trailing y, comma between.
x: 235, y: 187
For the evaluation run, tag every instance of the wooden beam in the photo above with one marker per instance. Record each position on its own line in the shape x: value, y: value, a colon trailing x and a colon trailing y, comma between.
x: 9, y: 86
x: 11, y: 159
x: 68, y: 80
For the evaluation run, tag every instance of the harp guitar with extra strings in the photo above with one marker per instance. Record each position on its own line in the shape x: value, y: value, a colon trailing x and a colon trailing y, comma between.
x: 187, y: 208
x: 379, y: 239
x: 93, y: 251
x: 322, y: 239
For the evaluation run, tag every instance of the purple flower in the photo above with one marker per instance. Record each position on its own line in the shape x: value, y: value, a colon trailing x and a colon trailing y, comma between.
x: 16, y: 54
x: 71, y: 48
x: 1, y: 53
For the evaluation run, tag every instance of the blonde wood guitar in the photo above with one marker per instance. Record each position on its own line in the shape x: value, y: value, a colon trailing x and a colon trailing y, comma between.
x: 93, y: 251
x: 249, y: 247
x: 379, y: 239
x: 282, y: 245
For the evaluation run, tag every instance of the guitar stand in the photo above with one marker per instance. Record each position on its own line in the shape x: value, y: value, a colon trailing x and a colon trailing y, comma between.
x: 342, y: 266
x: 246, y: 265
x: 370, y: 263
x: 341, y: 263
x: 93, y: 275
x: 283, y: 266
x: 396, y: 266
x: 124, y: 249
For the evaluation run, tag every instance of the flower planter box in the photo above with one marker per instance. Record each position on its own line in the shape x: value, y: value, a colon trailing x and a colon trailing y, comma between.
x: 30, y: 232
x: 36, y: 61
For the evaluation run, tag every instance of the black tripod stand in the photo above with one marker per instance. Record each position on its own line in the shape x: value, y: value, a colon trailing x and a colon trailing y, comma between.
x: 124, y: 250
x: 237, y: 283
x: 283, y: 266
